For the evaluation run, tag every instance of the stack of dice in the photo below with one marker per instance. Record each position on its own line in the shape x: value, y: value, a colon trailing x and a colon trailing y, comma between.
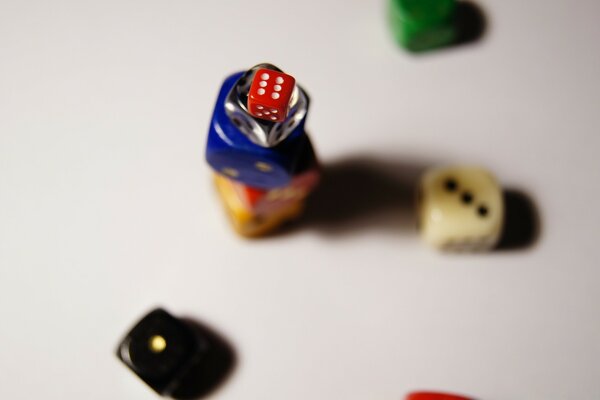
x: 264, y: 162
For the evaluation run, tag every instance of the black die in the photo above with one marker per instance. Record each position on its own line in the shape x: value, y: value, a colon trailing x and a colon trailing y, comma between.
x: 175, y: 357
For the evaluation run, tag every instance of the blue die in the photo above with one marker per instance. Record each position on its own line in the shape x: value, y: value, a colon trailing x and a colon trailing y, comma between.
x: 231, y: 152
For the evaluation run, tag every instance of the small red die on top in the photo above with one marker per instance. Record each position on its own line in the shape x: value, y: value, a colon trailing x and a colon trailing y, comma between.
x: 270, y: 94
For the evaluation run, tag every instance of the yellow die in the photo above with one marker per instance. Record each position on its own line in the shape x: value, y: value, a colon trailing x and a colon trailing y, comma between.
x: 460, y: 208
x: 246, y: 221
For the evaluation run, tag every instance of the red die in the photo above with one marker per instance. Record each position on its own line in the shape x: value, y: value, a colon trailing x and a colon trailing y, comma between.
x: 434, y: 396
x: 270, y: 94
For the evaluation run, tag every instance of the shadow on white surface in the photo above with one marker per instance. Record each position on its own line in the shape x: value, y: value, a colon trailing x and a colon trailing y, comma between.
x: 364, y: 192
x: 207, y: 377
x: 372, y: 192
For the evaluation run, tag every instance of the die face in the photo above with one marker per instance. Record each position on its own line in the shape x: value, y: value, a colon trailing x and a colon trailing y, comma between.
x: 264, y: 132
x: 434, y: 396
x: 158, y: 349
x: 231, y: 194
x: 426, y: 39
x: 421, y: 25
x: 231, y: 152
x: 460, y: 208
x: 270, y: 95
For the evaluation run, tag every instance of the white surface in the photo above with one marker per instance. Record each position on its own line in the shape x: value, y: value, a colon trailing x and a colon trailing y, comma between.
x: 107, y: 208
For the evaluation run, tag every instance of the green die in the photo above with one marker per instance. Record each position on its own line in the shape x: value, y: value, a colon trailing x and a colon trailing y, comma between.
x: 420, y: 25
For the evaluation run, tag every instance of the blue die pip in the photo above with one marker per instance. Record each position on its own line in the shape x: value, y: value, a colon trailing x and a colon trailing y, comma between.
x: 232, y: 153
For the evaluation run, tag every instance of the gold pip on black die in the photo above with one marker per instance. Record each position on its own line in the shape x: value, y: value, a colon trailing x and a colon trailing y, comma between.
x: 175, y: 357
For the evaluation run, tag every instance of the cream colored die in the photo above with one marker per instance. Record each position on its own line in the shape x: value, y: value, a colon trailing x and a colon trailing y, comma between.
x: 461, y: 208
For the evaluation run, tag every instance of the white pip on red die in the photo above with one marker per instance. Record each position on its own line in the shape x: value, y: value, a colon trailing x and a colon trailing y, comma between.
x: 461, y: 208
x: 270, y: 94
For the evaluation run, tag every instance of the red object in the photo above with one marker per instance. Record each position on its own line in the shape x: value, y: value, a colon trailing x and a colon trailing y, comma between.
x: 270, y: 95
x: 280, y: 198
x: 434, y: 396
x: 251, y: 195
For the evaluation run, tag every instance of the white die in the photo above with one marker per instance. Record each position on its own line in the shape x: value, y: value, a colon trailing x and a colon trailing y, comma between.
x: 460, y: 208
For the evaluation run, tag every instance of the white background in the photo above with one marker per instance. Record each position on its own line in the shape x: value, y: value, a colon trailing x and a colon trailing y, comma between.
x: 107, y: 206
